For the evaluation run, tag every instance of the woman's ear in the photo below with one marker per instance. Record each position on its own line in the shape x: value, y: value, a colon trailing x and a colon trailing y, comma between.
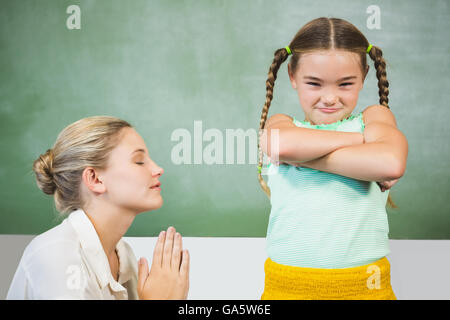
x: 291, y: 77
x: 92, y: 180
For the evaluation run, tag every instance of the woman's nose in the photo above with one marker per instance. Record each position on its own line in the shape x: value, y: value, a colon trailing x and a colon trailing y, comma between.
x: 157, y: 171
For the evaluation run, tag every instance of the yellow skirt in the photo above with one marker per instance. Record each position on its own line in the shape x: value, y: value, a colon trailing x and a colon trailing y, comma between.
x: 368, y: 282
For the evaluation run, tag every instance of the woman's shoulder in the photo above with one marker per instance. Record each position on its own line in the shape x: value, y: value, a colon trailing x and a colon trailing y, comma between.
x: 59, y: 241
x: 48, y: 265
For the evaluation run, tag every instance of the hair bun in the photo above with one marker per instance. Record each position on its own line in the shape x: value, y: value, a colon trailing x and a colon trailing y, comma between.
x: 43, y: 169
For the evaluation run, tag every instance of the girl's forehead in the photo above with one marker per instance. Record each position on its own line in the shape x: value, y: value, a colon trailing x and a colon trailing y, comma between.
x: 330, y: 52
x: 329, y: 61
x: 330, y: 55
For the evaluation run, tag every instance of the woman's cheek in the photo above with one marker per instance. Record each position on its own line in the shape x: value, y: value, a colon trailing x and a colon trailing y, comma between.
x: 124, y: 187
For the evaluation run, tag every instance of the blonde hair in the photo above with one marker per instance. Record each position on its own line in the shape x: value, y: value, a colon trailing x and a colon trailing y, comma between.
x: 85, y: 143
x: 324, y: 34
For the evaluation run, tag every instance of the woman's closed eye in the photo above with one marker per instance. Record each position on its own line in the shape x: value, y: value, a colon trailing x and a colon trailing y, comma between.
x: 140, y: 163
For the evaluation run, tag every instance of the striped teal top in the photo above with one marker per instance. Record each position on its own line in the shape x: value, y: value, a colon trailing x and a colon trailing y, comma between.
x: 324, y: 220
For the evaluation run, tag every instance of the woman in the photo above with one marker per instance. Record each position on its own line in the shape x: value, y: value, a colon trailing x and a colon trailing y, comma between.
x: 100, y: 172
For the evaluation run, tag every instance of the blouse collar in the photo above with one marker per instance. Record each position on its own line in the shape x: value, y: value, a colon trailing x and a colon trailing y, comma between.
x: 96, y: 256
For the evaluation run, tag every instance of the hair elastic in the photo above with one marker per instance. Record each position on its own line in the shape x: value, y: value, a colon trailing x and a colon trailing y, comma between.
x: 288, y: 50
x: 369, y: 48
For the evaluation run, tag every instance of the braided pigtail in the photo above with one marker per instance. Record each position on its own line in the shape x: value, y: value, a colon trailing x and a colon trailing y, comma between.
x: 280, y: 56
x: 380, y: 66
x: 376, y: 55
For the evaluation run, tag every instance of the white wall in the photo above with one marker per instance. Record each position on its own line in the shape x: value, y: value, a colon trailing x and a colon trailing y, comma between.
x: 233, y: 268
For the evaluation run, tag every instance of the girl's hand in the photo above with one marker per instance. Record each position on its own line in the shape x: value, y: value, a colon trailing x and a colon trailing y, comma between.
x: 295, y: 164
x: 168, y: 278
x: 370, y: 134
x: 385, y: 185
x: 277, y: 163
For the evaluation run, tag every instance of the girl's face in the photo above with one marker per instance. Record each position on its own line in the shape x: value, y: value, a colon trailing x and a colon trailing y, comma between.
x: 328, y: 84
x: 131, y: 175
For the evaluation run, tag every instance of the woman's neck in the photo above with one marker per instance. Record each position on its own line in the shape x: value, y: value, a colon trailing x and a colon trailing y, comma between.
x: 111, y: 224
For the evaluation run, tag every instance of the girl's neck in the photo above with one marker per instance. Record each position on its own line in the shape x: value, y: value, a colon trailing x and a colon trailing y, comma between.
x: 345, y: 118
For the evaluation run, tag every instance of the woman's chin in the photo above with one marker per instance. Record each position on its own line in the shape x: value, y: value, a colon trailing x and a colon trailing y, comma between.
x: 155, y: 204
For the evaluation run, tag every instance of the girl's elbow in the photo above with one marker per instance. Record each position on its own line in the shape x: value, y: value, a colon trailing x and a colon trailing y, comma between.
x: 263, y: 143
x: 290, y: 153
x: 273, y: 153
x: 271, y: 147
x: 401, y: 168
x: 399, y: 158
x: 397, y: 169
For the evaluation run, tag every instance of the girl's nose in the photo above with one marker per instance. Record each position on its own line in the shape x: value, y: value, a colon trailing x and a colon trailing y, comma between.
x: 330, y: 99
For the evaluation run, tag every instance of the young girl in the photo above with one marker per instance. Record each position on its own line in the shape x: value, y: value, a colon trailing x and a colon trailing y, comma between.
x: 327, y: 236
x: 99, y: 171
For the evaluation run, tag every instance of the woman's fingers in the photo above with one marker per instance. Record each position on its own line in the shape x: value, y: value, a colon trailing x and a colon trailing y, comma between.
x: 142, y: 274
x: 168, y: 247
x: 170, y: 277
x: 184, y: 268
x: 184, y: 273
x: 159, y: 248
x: 176, y: 253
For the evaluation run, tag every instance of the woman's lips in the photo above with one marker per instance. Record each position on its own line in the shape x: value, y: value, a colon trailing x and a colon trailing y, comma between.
x: 156, y: 186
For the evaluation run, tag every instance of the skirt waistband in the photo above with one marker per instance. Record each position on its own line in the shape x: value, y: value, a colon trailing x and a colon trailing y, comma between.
x: 371, y: 281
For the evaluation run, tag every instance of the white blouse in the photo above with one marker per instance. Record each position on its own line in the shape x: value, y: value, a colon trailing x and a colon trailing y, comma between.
x: 68, y: 262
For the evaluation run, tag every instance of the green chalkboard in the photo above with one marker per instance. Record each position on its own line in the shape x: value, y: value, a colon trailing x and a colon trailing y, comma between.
x: 163, y: 65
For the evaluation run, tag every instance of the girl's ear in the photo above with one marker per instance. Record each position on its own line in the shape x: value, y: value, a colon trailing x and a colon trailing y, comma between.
x: 92, y: 180
x: 367, y: 71
x: 291, y: 77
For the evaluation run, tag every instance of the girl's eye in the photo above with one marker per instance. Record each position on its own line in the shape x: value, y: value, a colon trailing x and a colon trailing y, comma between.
x: 140, y: 163
x: 343, y: 84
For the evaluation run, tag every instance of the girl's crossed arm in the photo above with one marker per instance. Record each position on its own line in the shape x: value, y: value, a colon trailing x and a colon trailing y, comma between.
x: 382, y: 157
x: 283, y: 141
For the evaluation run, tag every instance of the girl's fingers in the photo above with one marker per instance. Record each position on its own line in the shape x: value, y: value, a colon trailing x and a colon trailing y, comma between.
x: 142, y: 273
x: 159, y: 247
x: 288, y: 162
x: 385, y: 185
x: 380, y: 184
x: 176, y: 253
x: 168, y: 247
